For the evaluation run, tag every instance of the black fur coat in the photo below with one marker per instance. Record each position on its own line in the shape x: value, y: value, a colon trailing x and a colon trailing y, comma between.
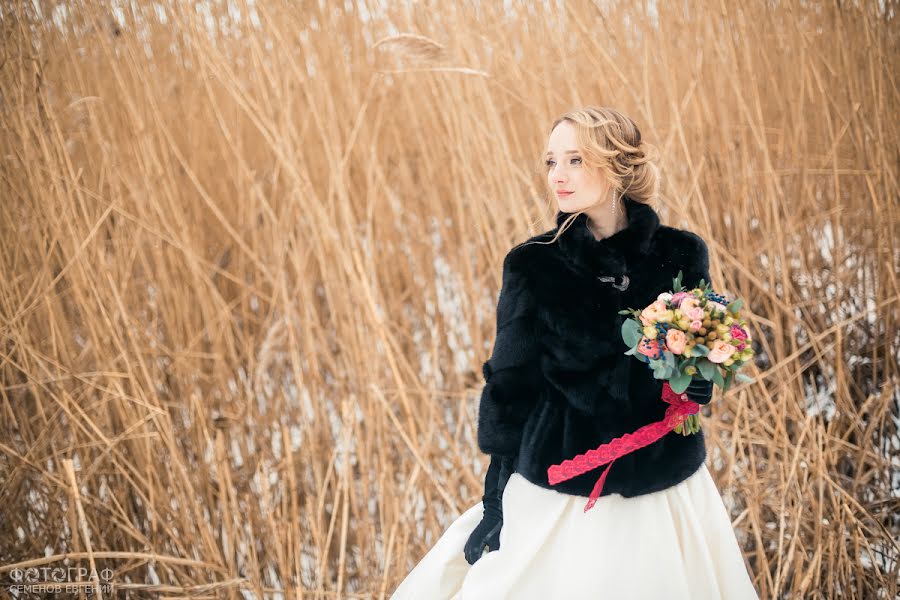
x: 558, y: 382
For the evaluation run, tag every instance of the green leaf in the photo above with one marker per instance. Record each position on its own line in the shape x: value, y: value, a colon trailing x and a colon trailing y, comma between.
x: 707, y: 369
x: 735, y: 305
x: 743, y: 378
x: 700, y: 350
x: 680, y: 382
x: 631, y: 332
x: 717, y: 378
x: 660, y: 369
x: 669, y: 358
x: 728, y: 377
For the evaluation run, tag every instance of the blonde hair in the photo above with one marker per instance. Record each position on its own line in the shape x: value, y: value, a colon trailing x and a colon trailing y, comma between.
x: 611, y: 142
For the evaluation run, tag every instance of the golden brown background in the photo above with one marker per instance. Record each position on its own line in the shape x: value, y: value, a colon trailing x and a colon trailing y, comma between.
x: 251, y: 251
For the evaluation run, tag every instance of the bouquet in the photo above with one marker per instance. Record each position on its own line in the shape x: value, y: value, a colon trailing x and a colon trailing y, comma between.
x: 687, y: 334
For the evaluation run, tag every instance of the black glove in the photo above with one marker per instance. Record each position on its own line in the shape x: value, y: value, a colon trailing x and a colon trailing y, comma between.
x: 487, y: 532
x: 699, y: 390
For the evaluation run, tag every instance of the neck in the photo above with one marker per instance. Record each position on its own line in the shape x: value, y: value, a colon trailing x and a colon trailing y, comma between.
x: 604, y: 220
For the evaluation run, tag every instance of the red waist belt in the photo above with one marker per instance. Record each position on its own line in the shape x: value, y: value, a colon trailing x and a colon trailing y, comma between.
x: 679, y: 410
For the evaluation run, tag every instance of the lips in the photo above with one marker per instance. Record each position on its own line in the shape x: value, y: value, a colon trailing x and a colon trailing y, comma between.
x: 563, y: 193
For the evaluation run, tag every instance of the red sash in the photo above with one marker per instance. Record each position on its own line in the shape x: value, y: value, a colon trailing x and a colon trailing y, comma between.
x: 679, y: 410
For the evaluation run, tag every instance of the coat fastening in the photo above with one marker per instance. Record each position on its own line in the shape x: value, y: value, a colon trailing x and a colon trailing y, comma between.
x: 558, y: 382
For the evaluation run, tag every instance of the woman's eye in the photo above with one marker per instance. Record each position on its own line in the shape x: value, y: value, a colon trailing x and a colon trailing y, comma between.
x: 549, y: 162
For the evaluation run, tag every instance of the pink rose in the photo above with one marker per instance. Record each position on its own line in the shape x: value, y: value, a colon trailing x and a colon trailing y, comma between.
x: 720, y: 352
x: 738, y: 333
x: 696, y: 314
x: 677, y: 298
x: 675, y: 340
x: 695, y: 325
x: 688, y: 304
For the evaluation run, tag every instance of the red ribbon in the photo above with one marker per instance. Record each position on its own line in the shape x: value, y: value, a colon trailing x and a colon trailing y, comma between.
x: 679, y: 410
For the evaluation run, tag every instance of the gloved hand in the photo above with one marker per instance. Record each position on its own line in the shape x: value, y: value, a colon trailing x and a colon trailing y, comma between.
x: 699, y: 390
x: 487, y: 533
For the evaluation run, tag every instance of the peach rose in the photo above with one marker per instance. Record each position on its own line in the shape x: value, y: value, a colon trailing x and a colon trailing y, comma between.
x: 720, y: 351
x: 651, y: 314
x: 675, y: 341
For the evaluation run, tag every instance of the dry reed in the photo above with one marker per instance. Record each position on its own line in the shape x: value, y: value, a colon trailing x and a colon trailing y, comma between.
x: 251, y: 252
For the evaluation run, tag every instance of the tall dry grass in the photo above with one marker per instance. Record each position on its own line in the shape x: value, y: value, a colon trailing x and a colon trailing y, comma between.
x: 251, y: 250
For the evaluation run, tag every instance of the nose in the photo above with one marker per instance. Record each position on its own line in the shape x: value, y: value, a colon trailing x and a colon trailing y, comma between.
x: 557, y: 174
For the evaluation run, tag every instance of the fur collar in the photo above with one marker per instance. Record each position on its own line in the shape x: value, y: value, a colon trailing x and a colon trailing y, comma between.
x: 613, y: 254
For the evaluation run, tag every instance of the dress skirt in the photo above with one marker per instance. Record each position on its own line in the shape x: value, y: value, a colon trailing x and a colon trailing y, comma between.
x: 676, y: 543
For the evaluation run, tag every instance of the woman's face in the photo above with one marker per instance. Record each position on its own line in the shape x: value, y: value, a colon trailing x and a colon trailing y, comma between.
x: 566, y: 172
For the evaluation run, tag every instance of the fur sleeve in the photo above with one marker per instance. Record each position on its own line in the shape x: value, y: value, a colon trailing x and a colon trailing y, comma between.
x: 512, y: 373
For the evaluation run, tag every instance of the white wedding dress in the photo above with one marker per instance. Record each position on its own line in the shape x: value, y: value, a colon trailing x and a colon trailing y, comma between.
x: 674, y: 544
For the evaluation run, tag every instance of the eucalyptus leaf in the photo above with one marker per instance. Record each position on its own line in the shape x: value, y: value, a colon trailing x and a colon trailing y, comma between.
x: 717, y: 378
x: 680, y: 382
x: 707, y: 369
x: 735, y: 305
x: 743, y: 378
x: 631, y: 332
x: 728, y: 378
x: 700, y: 350
x: 660, y: 370
x: 669, y: 358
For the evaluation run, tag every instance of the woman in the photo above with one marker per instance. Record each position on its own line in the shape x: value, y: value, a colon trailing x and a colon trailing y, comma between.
x: 558, y: 384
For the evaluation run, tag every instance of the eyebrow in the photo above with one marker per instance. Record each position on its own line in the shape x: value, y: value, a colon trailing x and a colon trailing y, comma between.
x: 566, y: 152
